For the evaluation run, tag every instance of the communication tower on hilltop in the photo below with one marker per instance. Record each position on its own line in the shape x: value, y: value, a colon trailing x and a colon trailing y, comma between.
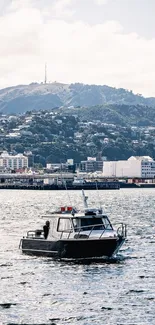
x: 45, y: 73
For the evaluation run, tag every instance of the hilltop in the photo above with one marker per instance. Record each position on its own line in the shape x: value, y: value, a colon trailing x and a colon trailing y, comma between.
x: 35, y: 96
x: 59, y: 121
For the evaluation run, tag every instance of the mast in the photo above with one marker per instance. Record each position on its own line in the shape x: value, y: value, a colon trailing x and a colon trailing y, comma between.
x: 85, y: 198
x: 99, y: 200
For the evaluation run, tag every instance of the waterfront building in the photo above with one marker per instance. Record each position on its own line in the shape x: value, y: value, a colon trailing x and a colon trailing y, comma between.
x: 56, y: 166
x: 135, y: 166
x: 13, y: 162
x: 91, y: 165
x: 68, y: 166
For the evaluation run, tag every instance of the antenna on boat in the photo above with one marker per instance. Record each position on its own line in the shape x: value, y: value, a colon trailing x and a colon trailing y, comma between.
x: 64, y: 182
x: 99, y: 199
x: 68, y: 194
x: 85, y: 198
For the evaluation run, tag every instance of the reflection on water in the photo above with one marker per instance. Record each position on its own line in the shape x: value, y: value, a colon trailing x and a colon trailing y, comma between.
x: 43, y: 291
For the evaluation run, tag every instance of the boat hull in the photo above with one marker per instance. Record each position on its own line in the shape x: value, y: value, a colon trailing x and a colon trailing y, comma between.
x: 72, y: 248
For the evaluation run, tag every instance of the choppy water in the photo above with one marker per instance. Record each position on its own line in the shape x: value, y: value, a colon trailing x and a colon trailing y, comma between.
x: 42, y: 291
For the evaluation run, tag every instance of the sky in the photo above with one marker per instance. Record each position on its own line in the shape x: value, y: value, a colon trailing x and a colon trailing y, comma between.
x: 103, y: 42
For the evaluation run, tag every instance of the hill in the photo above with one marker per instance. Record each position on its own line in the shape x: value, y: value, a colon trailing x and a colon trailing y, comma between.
x: 119, y: 114
x: 22, y: 98
x: 54, y: 137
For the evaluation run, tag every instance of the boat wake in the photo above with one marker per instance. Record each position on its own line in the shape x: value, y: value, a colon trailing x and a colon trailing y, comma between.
x: 101, y: 260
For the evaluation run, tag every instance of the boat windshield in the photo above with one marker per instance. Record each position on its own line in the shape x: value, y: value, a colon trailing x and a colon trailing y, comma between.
x: 86, y: 224
x: 107, y: 223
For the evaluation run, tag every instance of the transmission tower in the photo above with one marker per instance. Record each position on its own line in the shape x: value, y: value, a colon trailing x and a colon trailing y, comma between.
x: 45, y: 73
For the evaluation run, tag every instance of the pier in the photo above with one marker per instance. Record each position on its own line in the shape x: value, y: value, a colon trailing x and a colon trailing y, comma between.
x: 59, y: 181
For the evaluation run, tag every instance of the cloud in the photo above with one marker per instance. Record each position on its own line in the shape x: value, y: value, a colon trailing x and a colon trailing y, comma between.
x: 51, y: 8
x: 61, y: 8
x: 74, y: 51
x: 100, y: 2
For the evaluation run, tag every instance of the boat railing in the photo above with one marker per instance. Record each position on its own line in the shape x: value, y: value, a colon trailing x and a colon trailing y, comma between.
x: 79, y: 230
x: 121, y: 231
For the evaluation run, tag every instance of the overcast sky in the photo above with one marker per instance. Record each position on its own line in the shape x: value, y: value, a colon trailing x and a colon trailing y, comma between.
x: 107, y: 42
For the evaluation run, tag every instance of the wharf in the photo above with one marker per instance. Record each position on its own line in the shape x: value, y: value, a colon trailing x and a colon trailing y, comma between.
x: 61, y: 181
x: 87, y: 186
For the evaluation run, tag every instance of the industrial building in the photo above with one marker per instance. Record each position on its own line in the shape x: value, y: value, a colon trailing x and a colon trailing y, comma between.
x: 135, y: 166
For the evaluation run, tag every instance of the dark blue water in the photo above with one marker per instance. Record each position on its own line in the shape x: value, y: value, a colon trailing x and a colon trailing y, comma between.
x: 42, y: 291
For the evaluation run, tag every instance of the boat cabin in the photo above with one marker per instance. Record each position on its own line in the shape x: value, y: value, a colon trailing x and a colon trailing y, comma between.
x: 83, y: 223
x: 68, y: 225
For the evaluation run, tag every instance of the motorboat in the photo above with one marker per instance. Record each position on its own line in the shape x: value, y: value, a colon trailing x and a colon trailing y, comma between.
x: 73, y: 234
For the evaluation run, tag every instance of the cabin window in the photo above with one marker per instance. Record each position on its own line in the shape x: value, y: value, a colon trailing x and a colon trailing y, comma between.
x: 92, y: 223
x: 88, y: 224
x: 107, y: 224
x: 64, y: 224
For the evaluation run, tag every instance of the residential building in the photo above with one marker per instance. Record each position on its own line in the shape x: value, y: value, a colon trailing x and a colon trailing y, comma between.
x: 13, y: 162
x: 138, y: 166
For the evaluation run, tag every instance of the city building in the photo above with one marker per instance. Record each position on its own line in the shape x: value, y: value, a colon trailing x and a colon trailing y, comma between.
x: 69, y: 166
x: 13, y: 162
x: 138, y: 166
x: 91, y: 165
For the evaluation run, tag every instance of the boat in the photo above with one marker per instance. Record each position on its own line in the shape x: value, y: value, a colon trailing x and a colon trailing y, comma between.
x: 73, y: 234
x: 80, y: 183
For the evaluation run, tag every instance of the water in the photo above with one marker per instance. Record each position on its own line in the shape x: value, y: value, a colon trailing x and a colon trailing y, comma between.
x: 42, y: 291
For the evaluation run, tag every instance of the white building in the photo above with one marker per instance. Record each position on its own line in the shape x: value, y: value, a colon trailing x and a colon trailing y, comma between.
x: 18, y: 161
x: 138, y: 166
